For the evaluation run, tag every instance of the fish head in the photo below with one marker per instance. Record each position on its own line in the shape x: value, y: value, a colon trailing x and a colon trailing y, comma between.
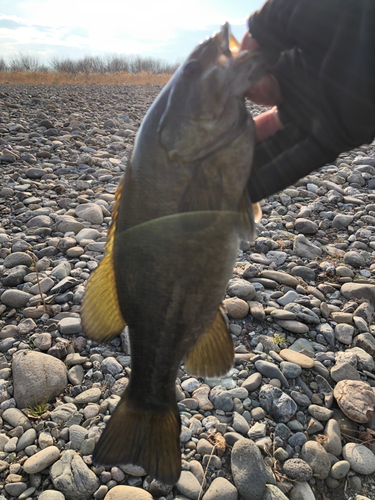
x: 206, y: 102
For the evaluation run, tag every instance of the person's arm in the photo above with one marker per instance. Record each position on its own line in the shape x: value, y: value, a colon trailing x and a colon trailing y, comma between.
x: 323, y: 59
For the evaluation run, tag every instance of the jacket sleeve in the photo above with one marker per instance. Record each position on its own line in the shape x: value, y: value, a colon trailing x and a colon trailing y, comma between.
x: 323, y: 56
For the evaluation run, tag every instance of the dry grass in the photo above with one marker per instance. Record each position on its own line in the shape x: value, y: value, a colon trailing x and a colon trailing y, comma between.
x: 56, y: 78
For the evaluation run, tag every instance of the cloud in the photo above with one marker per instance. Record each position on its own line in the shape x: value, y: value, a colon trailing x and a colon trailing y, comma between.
x: 167, y: 29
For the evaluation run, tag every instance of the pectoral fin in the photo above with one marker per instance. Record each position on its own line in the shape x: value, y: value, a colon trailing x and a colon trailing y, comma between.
x: 246, y: 223
x: 100, y: 312
x: 257, y: 210
x: 213, y: 354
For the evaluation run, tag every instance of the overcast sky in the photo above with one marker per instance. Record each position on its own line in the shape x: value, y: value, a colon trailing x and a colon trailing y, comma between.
x: 165, y: 29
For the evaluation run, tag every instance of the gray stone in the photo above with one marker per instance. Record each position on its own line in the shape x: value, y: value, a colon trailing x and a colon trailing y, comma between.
x: 41, y: 460
x: 15, y: 298
x: 328, y: 333
x: 358, y: 291
x: 40, y: 221
x: 272, y: 492
x: 89, y: 396
x: 90, y: 212
x: 290, y: 370
x: 26, y: 439
x: 305, y: 226
x: 63, y: 413
x: 354, y: 259
x: 252, y: 382
x: 70, y: 326
x: 241, y: 288
x: 293, y: 326
x: 304, y: 272
x: 302, y: 491
x: 342, y: 220
x: 344, y: 333
x: 298, y: 469
x: 340, y: 469
x: 37, y: 376
x: 221, y: 399
x: 62, y: 270
x: 18, y: 259
x: 320, y: 412
x: 130, y: 493
x: 77, y: 435
x: 270, y: 370
x: 316, y: 456
x: 111, y: 365
x: 248, y: 470
x: 277, y: 404
x: 16, y: 418
x: 360, y: 458
x: 221, y: 489
x: 76, y: 374
x: 333, y: 442
x: 305, y: 249
x: 73, y: 478
x: 290, y: 296
x: 15, y: 489
x: 366, y: 342
x: 239, y: 423
x: 344, y: 371
x: 188, y: 485
x: 356, y: 400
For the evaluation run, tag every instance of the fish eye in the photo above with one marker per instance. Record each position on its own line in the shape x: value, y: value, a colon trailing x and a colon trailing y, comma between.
x: 192, y: 68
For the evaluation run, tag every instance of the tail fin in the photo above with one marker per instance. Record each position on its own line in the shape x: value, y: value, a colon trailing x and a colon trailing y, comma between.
x: 150, y: 439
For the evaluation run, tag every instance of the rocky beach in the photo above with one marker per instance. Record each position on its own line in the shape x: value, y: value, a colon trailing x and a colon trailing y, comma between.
x: 295, y: 417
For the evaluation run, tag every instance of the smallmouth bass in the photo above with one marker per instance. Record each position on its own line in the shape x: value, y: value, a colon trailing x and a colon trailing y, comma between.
x: 180, y: 211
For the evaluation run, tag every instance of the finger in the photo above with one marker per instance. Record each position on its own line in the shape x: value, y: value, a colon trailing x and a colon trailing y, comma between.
x: 267, y: 124
x: 248, y: 42
x: 266, y: 92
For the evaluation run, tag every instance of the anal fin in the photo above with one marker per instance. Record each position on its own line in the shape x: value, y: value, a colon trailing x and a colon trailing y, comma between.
x: 100, y: 311
x: 213, y: 354
x: 145, y: 437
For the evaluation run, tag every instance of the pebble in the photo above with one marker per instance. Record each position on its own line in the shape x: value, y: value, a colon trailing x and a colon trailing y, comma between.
x: 89, y: 396
x: 73, y: 478
x: 51, y: 495
x: 360, y: 458
x: 356, y: 399
x: 340, y: 469
x: 295, y: 319
x: 317, y: 458
x: 127, y: 493
x: 188, y: 485
x: 297, y: 469
x: 221, y: 489
x: 248, y: 470
x: 276, y: 403
x: 41, y: 460
x: 37, y: 375
x: 297, y: 358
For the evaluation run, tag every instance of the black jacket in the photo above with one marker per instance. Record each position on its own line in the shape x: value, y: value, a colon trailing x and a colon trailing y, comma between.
x: 323, y: 55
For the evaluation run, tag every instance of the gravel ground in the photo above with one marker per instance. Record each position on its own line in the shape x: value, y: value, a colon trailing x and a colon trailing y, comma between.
x: 294, y: 417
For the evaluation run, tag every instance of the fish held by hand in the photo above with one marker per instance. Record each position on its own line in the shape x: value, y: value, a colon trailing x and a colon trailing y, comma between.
x: 180, y: 211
